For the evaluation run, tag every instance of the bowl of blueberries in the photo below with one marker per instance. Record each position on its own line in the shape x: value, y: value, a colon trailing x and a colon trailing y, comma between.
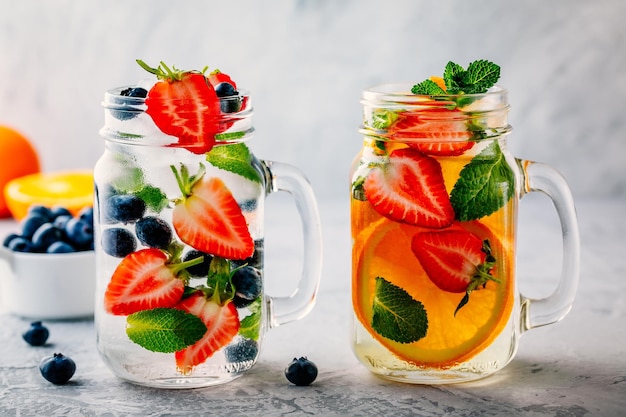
x: 48, y: 267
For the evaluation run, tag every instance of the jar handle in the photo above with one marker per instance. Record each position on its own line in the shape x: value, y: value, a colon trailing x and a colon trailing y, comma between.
x: 540, y: 312
x: 285, y: 177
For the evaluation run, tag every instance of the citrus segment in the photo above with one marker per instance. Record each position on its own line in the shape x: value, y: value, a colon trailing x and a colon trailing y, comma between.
x: 72, y: 190
x: 18, y: 157
x: 384, y: 250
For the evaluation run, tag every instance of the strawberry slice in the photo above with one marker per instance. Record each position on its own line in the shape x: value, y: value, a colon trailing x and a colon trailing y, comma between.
x: 217, y: 77
x: 455, y: 260
x: 209, y: 219
x: 409, y: 188
x: 143, y: 281
x: 184, y: 104
x: 222, y: 322
x: 436, y: 131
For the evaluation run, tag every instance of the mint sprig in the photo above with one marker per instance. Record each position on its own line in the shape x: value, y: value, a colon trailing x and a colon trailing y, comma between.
x: 164, y: 330
x: 477, y: 78
x: 484, y: 186
x: 251, y: 324
x: 235, y: 158
x: 396, y: 315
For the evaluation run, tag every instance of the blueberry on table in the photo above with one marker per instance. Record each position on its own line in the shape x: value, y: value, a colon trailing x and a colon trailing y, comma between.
x: 37, y: 334
x: 301, y: 371
x: 153, y: 232
x: 124, y: 208
x: 248, y: 285
x: 200, y: 270
x: 57, y: 369
x: 118, y: 242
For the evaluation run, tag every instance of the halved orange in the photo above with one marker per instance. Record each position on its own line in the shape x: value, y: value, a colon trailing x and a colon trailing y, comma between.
x: 384, y: 250
x: 70, y: 189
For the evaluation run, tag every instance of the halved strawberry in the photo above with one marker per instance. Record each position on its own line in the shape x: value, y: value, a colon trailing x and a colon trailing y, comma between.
x: 217, y: 77
x: 208, y: 218
x: 455, y: 260
x: 143, y: 281
x: 184, y: 104
x: 409, y: 188
x: 436, y: 131
x: 222, y: 322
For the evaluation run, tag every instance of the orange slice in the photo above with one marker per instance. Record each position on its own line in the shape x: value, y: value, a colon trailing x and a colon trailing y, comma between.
x: 384, y: 250
x: 72, y: 190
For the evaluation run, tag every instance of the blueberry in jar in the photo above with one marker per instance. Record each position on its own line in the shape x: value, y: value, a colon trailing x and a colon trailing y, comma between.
x: 118, y: 242
x: 124, y: 208
x: 153, y: 232
x: 248, y: 285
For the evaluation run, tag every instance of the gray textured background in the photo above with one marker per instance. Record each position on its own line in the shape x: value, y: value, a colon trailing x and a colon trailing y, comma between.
x: 306, y: 62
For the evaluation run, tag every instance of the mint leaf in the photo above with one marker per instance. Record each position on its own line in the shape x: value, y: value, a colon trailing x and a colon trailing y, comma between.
x: 154, y: 198
x: 480, y: 75
x: 235, y: 158
x: 396, y: 315
x: 251, y: 324
x: 429, y: 88
x: 129, y: 179
x: 164, y: 330
x: 224, y: 137
x: 484, y: 186
x: 382, y: 119
x: 452, y: 76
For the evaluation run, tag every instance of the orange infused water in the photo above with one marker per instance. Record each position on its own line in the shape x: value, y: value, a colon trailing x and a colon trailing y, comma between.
x: 433, y: 211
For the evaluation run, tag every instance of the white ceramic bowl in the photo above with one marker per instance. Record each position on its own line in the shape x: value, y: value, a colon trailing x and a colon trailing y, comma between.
x: 42, y: 286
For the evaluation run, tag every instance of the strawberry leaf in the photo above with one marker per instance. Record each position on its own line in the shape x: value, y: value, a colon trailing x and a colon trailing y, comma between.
x: 164, y: 330
x: 396, y: 315
x: 235, y: 158
x: 484, y: 186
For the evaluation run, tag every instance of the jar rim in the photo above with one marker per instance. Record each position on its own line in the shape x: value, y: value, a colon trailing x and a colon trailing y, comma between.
x: 401, y: 92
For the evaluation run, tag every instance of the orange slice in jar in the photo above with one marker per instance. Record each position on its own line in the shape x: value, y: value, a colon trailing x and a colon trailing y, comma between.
x: 384, y: 250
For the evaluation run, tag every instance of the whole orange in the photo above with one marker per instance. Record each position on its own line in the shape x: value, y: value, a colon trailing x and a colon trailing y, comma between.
x: 18, y: 157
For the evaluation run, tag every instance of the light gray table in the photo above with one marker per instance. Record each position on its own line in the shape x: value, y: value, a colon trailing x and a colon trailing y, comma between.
x: 574, y: 368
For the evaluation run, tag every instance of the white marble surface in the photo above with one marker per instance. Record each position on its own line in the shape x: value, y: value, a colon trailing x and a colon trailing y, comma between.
x: 576, y: 367
x: 307, y: 61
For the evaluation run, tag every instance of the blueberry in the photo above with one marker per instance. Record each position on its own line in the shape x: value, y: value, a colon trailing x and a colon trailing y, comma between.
x: 118, y: 242
x: 61, y: 221
x: 7, y: 240
x: 301, y: 371
x: 202, y: 269
x: 153, y: 232
x: 39, y: 210
x: 57, y: 211
x: 225, y: 90
x: 86, y: 214
x: 21, y: 244
x: 45, y: 236
x: 79, y: 233
x: 31, y: 223
x: 125, y: 111
x: 60, y: 247
x: 57, y: 369
x: 125, y: 208
x: 37, y: 334
x: 244, y: 350
x: 248, y: 285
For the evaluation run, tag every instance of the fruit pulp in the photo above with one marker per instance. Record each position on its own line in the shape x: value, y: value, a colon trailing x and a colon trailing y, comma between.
x: 479, y: 338
x: 145, y: 171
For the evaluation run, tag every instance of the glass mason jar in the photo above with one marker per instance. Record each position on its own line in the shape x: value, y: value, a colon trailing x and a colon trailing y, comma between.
x: 434, y: 202
x: 179, y: 238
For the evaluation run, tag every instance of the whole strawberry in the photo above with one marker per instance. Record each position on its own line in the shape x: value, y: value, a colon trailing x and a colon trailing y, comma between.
x: 184, y: 104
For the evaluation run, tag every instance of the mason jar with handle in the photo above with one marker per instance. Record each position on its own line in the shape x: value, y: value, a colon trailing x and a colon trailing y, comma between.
x: 179, y: 235
x: 434, y: 203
